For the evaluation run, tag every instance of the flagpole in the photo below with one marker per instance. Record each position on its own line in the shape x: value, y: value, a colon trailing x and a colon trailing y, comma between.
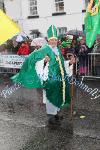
x: 72, y: 91
x: 72, y: 97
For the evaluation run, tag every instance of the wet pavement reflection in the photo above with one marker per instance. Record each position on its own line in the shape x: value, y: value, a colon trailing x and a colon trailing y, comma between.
x: 23, y: 121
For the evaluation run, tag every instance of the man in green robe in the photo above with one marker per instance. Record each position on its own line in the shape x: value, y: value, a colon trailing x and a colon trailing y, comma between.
x: 50, y: 75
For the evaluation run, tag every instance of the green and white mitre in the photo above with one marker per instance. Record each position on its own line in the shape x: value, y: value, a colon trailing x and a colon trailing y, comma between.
x: 52, y: 32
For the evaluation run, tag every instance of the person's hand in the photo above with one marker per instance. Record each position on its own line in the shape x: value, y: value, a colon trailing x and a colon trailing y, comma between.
x: 47, y: 59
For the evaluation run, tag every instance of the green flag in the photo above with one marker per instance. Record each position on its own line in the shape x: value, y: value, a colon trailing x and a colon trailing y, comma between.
x: 92, y: 24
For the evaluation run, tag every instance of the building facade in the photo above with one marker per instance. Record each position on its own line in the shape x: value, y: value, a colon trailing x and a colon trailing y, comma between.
x: 35, y: 16
x: 2, y: 4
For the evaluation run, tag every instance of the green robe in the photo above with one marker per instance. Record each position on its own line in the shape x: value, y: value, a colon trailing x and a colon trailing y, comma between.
x: 53, y: 85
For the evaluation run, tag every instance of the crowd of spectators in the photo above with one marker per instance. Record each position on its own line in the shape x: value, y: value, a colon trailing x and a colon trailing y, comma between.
x: 76, y: 45
x: 70, y: 45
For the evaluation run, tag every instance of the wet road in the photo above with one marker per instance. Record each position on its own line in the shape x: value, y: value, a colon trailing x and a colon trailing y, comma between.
x: 23, y: 122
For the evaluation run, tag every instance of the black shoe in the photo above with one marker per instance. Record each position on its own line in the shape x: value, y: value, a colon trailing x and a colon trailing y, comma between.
x: 52, y: 122
x: 58, y: 118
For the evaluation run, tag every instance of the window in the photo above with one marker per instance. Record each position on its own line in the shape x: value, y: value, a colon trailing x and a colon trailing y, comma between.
x: 33, y: 7
x: 61, y: 30
x: 59, y: 5
x: 35, y: 33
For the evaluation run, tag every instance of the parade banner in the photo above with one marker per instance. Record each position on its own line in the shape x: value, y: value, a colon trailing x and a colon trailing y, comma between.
x: 12, y: 61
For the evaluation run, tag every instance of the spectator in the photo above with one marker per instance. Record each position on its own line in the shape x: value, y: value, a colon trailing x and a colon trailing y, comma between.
x: 63, y: 48
x: 3, y: 49
x: 30, y: 47
x: 70, y: 48
x: 16, y: 46
x: 23, y: 49
x: 97, y: 57
x: 83, y: 57
x: 75, y: 45
x: 66, y: 47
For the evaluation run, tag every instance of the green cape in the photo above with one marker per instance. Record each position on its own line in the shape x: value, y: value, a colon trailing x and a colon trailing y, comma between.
x: 53, y: 85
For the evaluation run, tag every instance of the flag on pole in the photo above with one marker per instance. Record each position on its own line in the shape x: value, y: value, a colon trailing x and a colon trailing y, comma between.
x: 92, y: 22
x: 8, y: 28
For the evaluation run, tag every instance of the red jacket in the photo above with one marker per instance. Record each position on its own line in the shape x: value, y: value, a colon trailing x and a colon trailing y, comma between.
x: 63, y: 51
x: 24, y: 49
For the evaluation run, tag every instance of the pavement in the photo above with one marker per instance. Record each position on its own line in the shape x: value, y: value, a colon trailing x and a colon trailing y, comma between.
x: 23, y: 121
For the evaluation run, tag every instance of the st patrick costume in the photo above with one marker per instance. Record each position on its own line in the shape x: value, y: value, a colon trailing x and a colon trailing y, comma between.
x: 53, y: 80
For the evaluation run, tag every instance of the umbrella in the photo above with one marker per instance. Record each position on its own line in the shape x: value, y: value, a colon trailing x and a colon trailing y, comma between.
x: 75, y: 32
x: 20, y: 37
x: 38, y: 42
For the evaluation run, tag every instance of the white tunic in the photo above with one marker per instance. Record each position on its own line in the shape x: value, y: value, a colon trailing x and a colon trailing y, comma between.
x: 43, y: 73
